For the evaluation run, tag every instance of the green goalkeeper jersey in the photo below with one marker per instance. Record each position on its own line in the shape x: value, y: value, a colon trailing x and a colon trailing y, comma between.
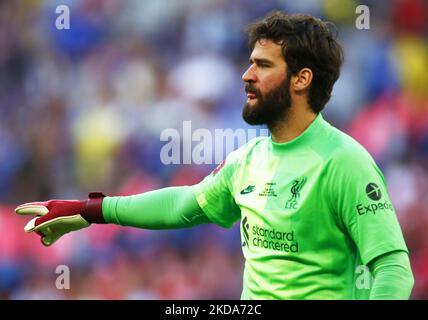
x: 314, y: 211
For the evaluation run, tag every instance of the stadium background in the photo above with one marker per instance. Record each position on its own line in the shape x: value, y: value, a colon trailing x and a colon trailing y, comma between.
x: 83, y: 109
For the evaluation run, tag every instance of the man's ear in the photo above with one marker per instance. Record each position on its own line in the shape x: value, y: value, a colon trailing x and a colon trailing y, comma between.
x: 302, y: 80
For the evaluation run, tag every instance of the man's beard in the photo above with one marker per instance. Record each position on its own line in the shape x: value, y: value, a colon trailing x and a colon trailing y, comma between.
x: 270, y: 108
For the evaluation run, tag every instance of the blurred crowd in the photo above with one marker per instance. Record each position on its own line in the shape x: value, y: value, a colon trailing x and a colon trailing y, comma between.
x: 83, y: 110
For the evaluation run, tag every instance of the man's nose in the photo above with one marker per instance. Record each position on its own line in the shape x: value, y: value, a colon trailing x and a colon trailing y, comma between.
x: 249, y: 75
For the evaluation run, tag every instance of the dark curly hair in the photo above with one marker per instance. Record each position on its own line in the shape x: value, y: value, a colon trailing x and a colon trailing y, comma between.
x: 307, y: 42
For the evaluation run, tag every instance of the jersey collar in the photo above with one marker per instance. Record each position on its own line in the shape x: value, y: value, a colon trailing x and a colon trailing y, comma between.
x: 309, y: 134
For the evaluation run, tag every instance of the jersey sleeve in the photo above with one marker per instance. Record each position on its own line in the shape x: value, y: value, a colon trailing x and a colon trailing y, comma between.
x: 215, y: 196
x: 359, y: 197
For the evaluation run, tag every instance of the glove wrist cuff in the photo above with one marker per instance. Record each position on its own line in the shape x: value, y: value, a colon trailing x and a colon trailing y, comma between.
x: 93, y: 212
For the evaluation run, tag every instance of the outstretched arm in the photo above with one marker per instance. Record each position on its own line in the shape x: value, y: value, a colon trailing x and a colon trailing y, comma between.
x: 168, y: 208
x: 211, y: 200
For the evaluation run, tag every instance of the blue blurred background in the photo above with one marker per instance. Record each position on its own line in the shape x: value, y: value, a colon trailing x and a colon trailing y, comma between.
x: 82, y: 110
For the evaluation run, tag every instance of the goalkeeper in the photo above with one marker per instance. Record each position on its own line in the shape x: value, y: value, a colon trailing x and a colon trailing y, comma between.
x: 313, y: 204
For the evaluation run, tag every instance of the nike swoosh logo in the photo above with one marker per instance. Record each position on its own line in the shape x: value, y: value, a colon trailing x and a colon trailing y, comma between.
x: 248, y: 189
